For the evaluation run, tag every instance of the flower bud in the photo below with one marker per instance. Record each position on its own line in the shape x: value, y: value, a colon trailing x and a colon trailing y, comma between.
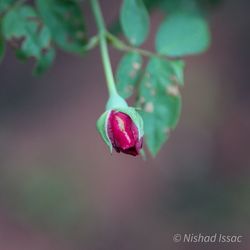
x: 122, y: 129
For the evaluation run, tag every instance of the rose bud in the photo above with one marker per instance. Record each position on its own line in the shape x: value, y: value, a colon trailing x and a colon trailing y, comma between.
x: 122, y: 129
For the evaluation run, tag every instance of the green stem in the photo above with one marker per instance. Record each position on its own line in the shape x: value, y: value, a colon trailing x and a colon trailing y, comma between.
x: 103, y: 46
x: 120, y: 45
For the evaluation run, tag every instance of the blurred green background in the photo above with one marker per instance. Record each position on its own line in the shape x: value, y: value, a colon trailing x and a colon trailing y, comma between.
x: 61, y: 189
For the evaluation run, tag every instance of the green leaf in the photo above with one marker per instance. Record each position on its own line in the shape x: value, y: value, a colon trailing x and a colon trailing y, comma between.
x: 5, y: 4
x: 127, y: 73
x: 160, y: 102
x: 65, y: 21
x: 151, y: 4
x: 171, y: 6
x: 182, y: 34
x: 177, y: 72
x: 135, y: 21
x: 45, y: 62
x: 2, y: 46
x: 22, y: 27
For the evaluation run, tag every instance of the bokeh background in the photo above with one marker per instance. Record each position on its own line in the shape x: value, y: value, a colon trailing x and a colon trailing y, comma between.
x: 60, y: 188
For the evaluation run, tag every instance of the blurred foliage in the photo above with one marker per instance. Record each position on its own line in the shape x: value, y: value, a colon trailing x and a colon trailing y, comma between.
x: 2, y: 47
x: 35, y: 30
x: 128, y: 73
x: 21, y: 26
x: 174, y: 39
x: 65, y: 20
x: 160, y: 101
x: 184, y: 31
x: 135, y: 21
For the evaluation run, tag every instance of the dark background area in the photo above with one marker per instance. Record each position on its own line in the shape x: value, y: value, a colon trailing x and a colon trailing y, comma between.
x: 61, y: 189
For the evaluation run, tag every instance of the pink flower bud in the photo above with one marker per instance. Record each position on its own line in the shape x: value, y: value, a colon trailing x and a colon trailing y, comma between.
x: 123, y: 133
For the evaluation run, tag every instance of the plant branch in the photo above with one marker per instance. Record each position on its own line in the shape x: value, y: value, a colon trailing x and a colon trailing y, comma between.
x: 103, y: 46
x: 120, y: 45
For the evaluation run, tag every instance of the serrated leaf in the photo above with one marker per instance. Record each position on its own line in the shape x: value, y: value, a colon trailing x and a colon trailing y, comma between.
x: 23, y: 29
x: 135, y: 21
x: 182, y: 34
x: 65, y: 21
x: 160, y: 103
x: 128, y: 72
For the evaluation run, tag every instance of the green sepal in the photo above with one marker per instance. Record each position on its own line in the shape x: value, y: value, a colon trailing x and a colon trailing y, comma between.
x: 135, y: 116
x: 143, y: 154
x: 102, y: 127
x: 116, y: 101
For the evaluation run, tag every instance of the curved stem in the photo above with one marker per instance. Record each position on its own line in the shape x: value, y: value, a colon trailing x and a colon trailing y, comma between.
x: 103, y: 46
x: 120, y: 45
